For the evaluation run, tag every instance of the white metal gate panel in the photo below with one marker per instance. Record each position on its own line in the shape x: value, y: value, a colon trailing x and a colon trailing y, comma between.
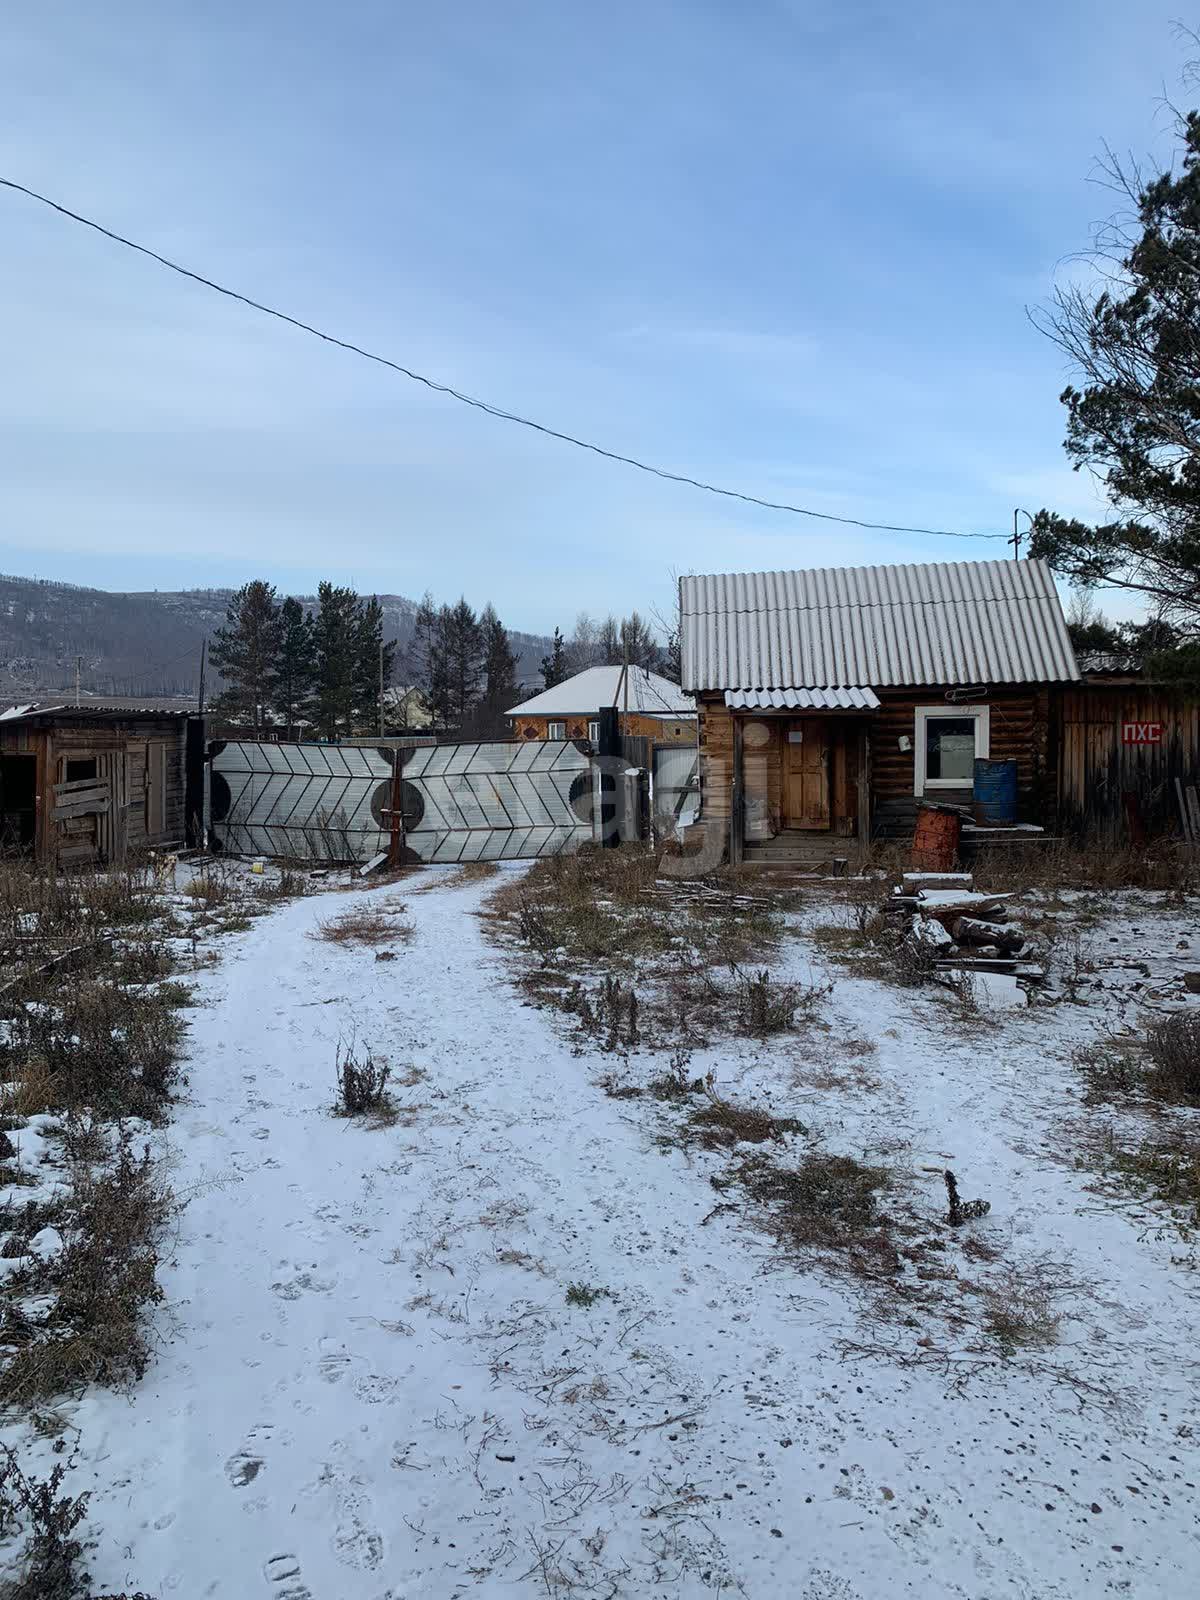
x: 460, y: 802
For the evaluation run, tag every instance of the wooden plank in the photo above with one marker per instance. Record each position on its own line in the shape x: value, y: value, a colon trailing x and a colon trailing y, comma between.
x: 72, y: 855
x: 1194, y: 811
x: 77, y: 786
x: 1184, y: 813
x: 864, y: 784
x: 97, y: 807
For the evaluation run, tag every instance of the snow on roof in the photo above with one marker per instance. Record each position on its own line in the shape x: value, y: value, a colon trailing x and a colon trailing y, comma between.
x: 127, y: 710
x: 954, y: 622
x: 587, y: 691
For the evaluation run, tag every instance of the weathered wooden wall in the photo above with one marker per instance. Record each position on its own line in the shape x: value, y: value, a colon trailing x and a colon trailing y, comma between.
x: 121, y: 750
x: 662, y: 730
x: 1096, y: 769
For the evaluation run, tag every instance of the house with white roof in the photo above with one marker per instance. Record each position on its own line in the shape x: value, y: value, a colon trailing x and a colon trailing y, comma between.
x: 648, y: 706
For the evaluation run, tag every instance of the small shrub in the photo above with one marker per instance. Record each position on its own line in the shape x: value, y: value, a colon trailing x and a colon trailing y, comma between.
x: 51, y: 1557
x: 362, y: 1086
x: 1019, y: 1311
x: 1163, y: 1062
x: 100, y: 1283
x: 585, y: 1294
x: 676, y: 1083
x: 915, y: 961
x: 98, y: 1043
x: 610, y: 1010
x: 1173, y: 1046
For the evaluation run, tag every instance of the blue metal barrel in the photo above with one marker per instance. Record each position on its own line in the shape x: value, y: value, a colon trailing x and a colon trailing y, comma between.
x: 995, y: 791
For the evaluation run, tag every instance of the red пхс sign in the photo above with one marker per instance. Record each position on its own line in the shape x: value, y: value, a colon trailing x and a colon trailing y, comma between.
x: 1141, y: 732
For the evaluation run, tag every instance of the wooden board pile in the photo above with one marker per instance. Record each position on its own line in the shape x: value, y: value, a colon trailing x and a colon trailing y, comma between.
x: 968, y: 930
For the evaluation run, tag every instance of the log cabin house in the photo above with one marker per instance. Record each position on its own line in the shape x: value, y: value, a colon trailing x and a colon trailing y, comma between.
x: 85, y: 785
x: 832, y: 702
x: 649, y: 707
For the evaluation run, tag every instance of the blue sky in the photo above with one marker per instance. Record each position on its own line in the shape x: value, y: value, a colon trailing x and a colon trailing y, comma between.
x: 782, y: 246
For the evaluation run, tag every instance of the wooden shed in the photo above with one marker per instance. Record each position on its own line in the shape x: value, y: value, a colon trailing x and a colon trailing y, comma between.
x: 83, y: 785
x: 833, y: 702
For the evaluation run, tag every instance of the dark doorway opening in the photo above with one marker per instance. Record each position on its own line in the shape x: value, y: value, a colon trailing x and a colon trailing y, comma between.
x: 18, y: 802
x: 78, y: 770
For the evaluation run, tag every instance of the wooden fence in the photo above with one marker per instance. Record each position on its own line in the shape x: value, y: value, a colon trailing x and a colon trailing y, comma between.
x: 1121, y: 748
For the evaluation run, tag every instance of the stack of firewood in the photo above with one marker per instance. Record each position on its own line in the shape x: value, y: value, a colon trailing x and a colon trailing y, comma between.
x: 966, y: 928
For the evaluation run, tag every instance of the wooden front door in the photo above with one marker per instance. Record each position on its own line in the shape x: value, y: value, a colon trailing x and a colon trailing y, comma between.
x: 806, y: 774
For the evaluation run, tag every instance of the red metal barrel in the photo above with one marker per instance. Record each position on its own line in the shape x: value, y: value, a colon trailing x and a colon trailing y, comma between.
x: 935, y: 840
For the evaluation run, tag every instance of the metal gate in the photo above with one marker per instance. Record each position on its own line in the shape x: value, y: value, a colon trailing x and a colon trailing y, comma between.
x: 676, y: 786
x: 460, y: 802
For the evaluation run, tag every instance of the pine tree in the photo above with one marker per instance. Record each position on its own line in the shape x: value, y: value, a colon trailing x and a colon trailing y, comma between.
x: 638, y: 645
x: 459, y: 660
x: 1132, y: 420
x: 437, y: 682
x: 608, y: 642
x: 554, y: 666
x: 245, y: 653
x: 499, y: 660
x: 371, y: 655
x: 336, y: 637
x: 294, y: 679
x: 499, y: 675
x: 418, y: 657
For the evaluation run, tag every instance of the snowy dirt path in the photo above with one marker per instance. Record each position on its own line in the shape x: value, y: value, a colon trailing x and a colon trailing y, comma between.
x: 371, y: 1383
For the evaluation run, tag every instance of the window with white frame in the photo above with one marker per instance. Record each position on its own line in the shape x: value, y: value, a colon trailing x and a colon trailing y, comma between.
x: 594, y: 732
x: 949, y: 740
x: 556, y: 730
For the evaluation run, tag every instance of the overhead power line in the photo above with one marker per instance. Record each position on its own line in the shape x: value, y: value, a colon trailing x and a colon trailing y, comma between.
x: 485, y: 405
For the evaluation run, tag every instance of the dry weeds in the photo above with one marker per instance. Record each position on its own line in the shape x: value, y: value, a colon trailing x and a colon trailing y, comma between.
x: 366, y: 925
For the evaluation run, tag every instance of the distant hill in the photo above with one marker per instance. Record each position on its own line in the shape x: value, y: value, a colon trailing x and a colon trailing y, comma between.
x: 143, y: 643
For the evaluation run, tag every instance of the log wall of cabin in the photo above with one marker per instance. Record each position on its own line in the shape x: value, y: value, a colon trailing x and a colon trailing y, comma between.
x: 1021, y: 728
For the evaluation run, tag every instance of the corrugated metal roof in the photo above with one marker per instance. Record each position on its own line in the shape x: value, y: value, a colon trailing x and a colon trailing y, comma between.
x: 848, y: 699
x: 587, y: 691
x: 90, y: 712
x: 954, y: 622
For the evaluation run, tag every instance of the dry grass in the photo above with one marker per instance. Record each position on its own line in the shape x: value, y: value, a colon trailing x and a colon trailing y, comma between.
x: 1161, y: 1063
x: 98, y: 1286
x: 366, y: 925
x: 462, y: 877
x: 609, y: 905
x: 720, y: 1125
x: 1020, y: 1309
x: 826, y: 1203
x: 1167, y: 1173
x: 1103, y: 866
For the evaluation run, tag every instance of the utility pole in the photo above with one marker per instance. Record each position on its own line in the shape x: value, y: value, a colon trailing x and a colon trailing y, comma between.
x: 203, y: 662
x: 78, y: 665
x: 625, y: 681
x: 1015, y: 541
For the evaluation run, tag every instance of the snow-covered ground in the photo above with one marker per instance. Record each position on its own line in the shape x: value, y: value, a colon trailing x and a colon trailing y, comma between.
x: 371, y: 1383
